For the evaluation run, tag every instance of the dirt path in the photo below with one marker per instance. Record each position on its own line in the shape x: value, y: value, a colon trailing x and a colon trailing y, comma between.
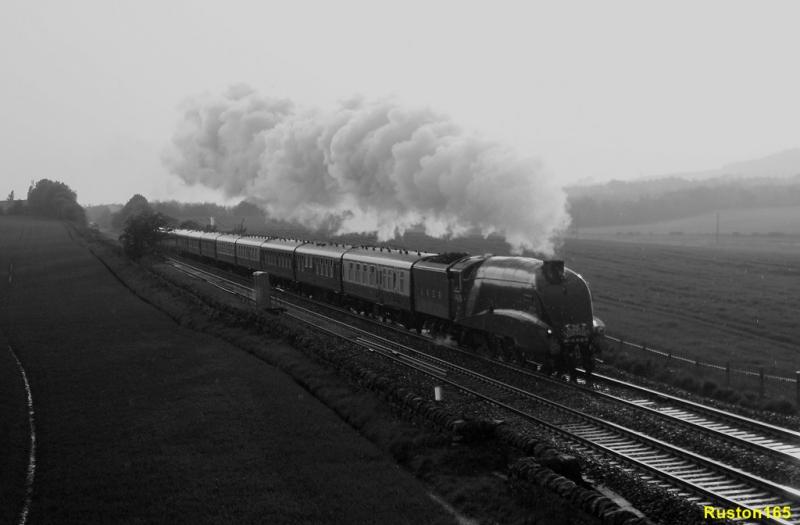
x: 141, y: 421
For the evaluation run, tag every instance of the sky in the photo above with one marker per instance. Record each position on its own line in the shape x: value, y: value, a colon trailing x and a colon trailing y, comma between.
x: 92, y: 91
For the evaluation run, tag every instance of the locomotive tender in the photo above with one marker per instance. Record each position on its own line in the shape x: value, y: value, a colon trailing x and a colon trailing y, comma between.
x: 517, y: 307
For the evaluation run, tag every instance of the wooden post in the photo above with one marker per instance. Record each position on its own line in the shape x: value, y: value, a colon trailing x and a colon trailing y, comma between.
x: 728, y: 374
x: 761, y: 382
x: 263, y: 290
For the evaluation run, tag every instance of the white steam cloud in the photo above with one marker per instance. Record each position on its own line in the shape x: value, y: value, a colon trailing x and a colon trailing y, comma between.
x: 375, y: 165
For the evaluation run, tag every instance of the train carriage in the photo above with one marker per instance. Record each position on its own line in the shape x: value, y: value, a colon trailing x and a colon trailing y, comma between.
x: 247, y: 252
x: 380, y: 275
x: 187, y: 241
x: 320, y: 265
x: 208, y: 244
x: 277, y: 257
x: 226, y: 248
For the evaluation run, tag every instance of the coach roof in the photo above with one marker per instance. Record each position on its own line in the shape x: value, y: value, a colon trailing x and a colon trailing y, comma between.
x: 322, y: 249
x: 385, y: 256
x: 281, y: 245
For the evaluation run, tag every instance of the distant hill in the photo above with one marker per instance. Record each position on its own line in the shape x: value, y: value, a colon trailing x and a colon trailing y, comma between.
x: 772, y: 181
x: 778, y: 165
x: 778, y: 169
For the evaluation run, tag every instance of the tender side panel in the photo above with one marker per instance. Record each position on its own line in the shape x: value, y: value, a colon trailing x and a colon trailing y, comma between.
x: 431, y: 289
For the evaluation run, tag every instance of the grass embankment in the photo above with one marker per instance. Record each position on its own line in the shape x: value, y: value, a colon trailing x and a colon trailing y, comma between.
x: 718, y: 305
x: 143, y: 421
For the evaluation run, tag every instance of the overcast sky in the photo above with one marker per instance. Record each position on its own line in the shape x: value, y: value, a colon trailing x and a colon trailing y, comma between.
x: 91, y: 90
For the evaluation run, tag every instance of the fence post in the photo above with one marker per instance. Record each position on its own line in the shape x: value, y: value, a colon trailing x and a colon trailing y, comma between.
x: 761, y: 382
x: 728, y: 375
x: 621, y: 342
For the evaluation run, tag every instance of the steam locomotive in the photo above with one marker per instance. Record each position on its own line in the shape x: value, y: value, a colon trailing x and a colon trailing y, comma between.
x: 517, y: 308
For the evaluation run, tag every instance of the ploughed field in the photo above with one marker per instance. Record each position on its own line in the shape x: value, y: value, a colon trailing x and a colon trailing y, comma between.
x: 139, y: 420
x: 728, y: 303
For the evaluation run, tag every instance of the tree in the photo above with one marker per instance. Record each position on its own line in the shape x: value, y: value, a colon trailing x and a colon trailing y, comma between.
x: 55, y: 199
x: 142, y: 233
x: 135, y: 206
x: 190, y: 225
x: 11, y: 196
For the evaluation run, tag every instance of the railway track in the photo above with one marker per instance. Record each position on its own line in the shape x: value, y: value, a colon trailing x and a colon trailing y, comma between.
x: 698, y: 478
x: 763, y: 437
x: 768, y: 438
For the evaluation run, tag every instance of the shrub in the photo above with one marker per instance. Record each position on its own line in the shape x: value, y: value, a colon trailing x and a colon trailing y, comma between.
x: 728, y: 395
x: 781, y: 406
x: 709, y: 388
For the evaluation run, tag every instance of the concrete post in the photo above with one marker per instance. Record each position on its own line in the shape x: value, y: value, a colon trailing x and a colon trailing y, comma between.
x: 262, y: 289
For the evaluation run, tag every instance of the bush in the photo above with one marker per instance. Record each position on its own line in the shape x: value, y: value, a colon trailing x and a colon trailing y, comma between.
x: 728, y: 395
x: 781, y: 406
x: 142, y: 233
x: 709, y: 388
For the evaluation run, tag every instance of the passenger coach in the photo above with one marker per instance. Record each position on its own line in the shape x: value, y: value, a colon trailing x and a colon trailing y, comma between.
x: 380, y: 276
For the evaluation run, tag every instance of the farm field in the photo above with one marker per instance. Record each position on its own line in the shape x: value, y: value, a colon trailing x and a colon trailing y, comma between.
x: 141, y: 421
x: 751, y: 221
x: 736, y: 302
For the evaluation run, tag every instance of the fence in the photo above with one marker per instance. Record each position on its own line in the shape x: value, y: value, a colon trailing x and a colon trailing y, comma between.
x: 726, y: 369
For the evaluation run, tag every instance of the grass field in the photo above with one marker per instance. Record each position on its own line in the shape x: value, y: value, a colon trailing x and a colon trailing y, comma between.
x: 736, y: 303
x: 142, y: 421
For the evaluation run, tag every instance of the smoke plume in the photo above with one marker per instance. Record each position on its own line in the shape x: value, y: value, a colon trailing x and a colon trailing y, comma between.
x: 373, y: 165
